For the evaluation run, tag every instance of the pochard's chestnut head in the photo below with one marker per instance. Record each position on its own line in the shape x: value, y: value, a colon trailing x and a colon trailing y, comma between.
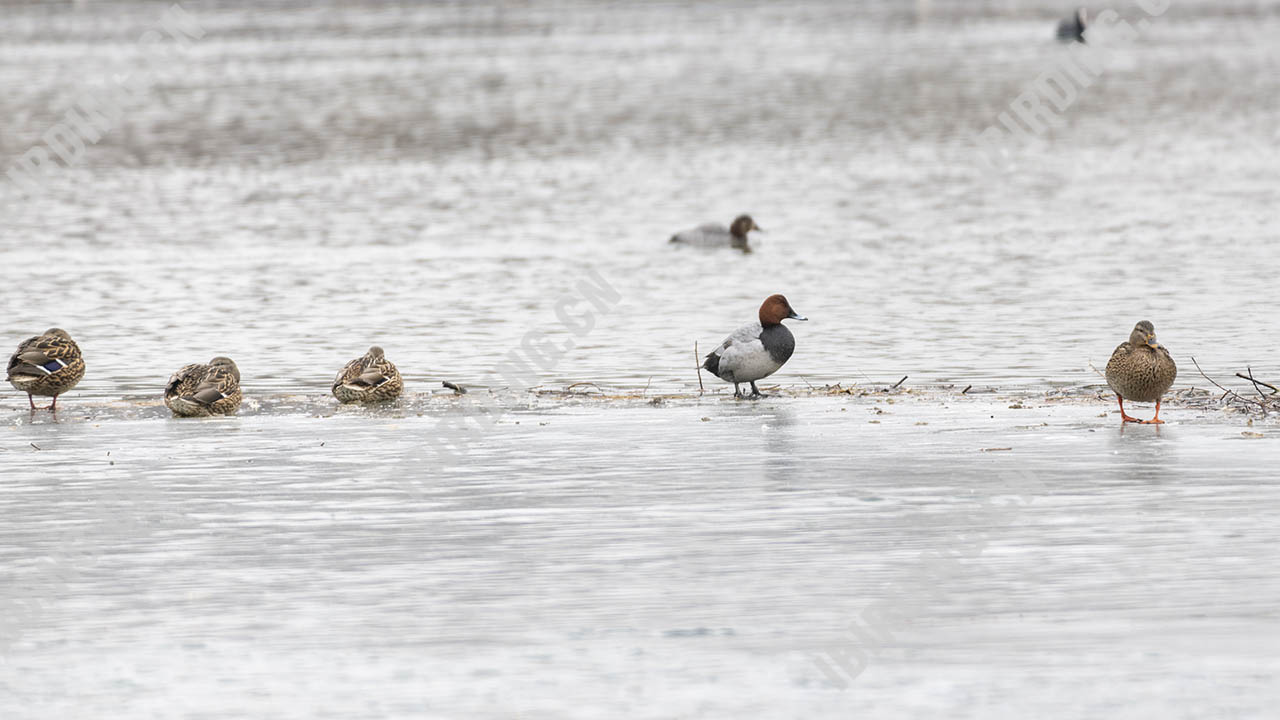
x: 775, y: 309
x: 742, y: 225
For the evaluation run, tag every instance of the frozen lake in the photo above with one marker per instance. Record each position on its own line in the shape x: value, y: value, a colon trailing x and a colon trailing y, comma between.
x: 307, y: 181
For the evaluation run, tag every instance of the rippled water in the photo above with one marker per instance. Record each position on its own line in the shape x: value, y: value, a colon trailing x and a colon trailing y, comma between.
x: 307, y: 181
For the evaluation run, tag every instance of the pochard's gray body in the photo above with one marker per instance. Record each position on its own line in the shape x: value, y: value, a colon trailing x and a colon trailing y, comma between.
x: 751, y: 353
x: 709, y: 235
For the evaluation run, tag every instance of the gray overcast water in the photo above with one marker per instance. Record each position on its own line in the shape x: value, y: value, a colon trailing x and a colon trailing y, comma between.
x: 307, y: 180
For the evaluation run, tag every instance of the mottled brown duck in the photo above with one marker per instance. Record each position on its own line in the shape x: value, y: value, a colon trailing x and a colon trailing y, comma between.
x: 46, y: 365
x: 203, y: 390
x: 369, y: 378
x: 1141, y: 370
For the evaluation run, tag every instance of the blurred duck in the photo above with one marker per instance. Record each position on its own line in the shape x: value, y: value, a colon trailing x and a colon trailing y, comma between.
x: 367, y: 379
x: 717, y: 235
x: 1072, y: 29
x: 756, y: 350
x: 47, y: 365
x: 202, y: 390
x: 1141, y: 370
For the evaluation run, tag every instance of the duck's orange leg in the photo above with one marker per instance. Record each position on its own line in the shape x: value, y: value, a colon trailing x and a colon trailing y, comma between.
x: 1155, y: 420
x: 32, y: 401
x: 1124, y: 417
x: 53, y: 407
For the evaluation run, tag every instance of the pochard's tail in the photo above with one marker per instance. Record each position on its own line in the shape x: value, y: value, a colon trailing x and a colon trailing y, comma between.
x: 712, y: 363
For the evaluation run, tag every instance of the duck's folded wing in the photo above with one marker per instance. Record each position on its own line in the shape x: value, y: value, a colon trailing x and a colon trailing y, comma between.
x: 1164, y: 352
x: 217, y: 384
x: 373, y: 377
x: 742, y: 344
x: 351, y: 370
x: 42, y: 356
x: 187, y: 374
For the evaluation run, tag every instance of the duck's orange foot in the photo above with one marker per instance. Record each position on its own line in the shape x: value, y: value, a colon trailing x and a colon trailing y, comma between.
x: 1126, y: 418
x: 1155, y: 420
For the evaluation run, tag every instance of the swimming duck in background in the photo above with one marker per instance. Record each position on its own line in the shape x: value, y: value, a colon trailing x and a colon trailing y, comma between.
x: 49, y: 364
x: 756, y: 350
x: 369, y: 378
x: 1072, y: 29
x: 202, y: 390
x: 1141, y: 370
x: 717, y: 235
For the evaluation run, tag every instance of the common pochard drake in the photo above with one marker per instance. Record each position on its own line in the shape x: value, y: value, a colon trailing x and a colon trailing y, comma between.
x: 717, y: 235
x: 755, y: 350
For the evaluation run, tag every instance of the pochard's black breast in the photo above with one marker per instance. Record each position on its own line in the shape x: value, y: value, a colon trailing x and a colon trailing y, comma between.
x: 1071, y: 29
x: 779, y: 341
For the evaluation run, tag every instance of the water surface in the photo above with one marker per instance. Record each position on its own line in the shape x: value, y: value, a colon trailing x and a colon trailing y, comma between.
x: 308, y: 181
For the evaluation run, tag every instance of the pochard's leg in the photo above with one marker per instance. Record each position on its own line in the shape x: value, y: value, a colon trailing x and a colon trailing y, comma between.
x: 755, y: 391
x: 737, y: 391
x: 1123, y: 416
x: 1155, y: 420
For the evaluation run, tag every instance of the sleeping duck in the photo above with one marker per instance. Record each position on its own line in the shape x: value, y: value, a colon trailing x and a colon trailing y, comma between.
x: 367, y: 379
x: 46, y: 365
x: 202, y: 390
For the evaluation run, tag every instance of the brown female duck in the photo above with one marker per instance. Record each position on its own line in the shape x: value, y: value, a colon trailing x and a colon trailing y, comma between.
x: 1141, y: 370
x: 202, y: 390
x: 367, y: 379
x: 48, y: 365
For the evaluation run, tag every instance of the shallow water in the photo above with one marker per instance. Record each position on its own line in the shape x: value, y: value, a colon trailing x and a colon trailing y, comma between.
x: 324, y: 567
x: 309, y: 181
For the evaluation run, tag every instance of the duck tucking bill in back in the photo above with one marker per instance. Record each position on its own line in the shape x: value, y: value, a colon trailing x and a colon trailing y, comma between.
x: 198, y: 390
x: 47, y: 365
x: 369, y: 378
